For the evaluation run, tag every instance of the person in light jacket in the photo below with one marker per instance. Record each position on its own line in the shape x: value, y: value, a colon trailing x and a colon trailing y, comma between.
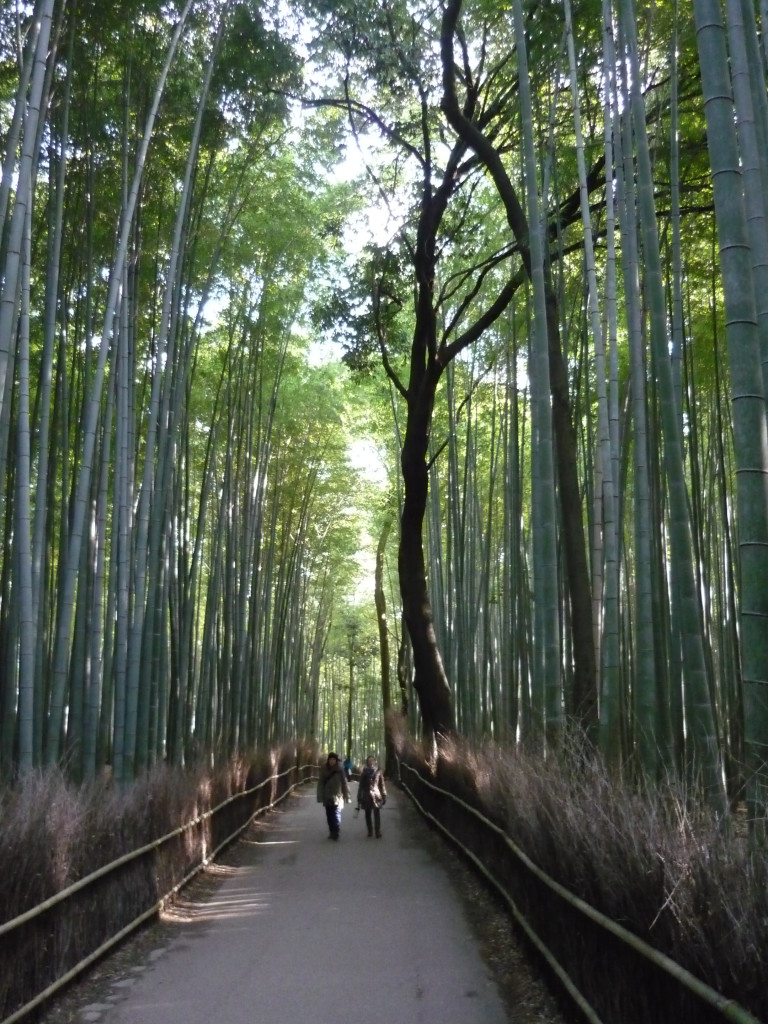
x: 372, y: 795
x: 333, y: 793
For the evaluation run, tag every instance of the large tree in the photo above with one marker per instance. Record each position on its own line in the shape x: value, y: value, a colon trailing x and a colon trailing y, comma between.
x: 463, y: 275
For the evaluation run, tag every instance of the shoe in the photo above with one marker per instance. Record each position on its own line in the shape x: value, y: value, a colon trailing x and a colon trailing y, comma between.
x: 378, y: 835
x: 335, y: 837
x: 370, y: 835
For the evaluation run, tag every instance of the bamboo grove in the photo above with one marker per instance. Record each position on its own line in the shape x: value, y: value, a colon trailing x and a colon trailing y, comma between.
x: 568, y: 322
x: 172, y: 467
x: 556, y: 330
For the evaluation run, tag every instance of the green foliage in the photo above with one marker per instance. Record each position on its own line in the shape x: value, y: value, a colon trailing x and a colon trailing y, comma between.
x: 255, y: 68
x: 274, y: 245
x: 365, y: 310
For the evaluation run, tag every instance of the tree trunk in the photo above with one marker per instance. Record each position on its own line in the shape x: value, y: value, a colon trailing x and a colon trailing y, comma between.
x: 390, y: 763
x: 430, y: 681
x: 350, y: 702
x: 576, y: 565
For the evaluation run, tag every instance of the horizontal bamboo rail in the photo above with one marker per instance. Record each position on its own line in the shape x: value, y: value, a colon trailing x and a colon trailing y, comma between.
x: 727, y: 1008
x: 106, y: 869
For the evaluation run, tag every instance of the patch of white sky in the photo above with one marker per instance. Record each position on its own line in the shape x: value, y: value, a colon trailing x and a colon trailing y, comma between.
x: 364, y: 155
x: 376, y: 221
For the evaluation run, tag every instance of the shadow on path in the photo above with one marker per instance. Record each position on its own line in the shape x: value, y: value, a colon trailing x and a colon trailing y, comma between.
x: 291, y: 927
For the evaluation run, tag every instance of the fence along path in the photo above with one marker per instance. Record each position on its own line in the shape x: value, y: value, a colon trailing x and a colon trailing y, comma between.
x: 309, y: 931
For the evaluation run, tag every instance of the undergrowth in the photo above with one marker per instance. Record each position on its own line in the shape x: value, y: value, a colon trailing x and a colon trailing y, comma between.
x: 654, y: 859
x: 55, y: 833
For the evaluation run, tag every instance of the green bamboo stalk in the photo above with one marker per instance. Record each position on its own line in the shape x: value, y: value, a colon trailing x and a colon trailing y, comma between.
x: 747, y: 396
x: 645, y: 695
x: 91, y: 418
x: 22, y: 533
x: 705, y: 748
x: 548, y: 668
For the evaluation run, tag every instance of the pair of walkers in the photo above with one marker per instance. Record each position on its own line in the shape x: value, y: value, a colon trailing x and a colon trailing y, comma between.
x: 333, y: 793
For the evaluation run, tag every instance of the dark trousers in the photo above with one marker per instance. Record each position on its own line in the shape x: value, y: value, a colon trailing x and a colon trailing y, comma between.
x: 375, y: 813
x: 333, y: 814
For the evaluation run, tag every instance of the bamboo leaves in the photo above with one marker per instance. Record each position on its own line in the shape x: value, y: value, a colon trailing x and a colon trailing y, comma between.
x: 542, y: 317
x: 145, y: 494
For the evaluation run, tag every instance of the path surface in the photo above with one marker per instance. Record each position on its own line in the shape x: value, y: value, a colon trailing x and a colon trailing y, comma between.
x: 304, y: 930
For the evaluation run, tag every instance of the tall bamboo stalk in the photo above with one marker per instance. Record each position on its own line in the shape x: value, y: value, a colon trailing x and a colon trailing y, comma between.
x: 747, y: 395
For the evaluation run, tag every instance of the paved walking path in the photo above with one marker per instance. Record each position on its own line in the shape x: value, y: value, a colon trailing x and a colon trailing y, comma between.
x: 308, y: 931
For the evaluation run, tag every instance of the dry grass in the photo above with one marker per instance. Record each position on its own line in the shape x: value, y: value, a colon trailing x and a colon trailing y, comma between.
x: 655, y: 861
x: 54, y: 833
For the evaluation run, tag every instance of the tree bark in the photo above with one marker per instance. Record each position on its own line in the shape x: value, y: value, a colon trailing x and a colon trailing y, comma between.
x: 576, y: 564
x: 380, y: 600
x: 430, y: 680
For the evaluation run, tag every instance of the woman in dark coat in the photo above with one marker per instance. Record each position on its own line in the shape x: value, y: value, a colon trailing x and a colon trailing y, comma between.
x: 372, y: 795
x: 333, y: 793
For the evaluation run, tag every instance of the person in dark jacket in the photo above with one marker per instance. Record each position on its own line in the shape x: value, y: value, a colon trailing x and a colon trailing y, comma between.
x: 372, y: 795
x: 333, y: 793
